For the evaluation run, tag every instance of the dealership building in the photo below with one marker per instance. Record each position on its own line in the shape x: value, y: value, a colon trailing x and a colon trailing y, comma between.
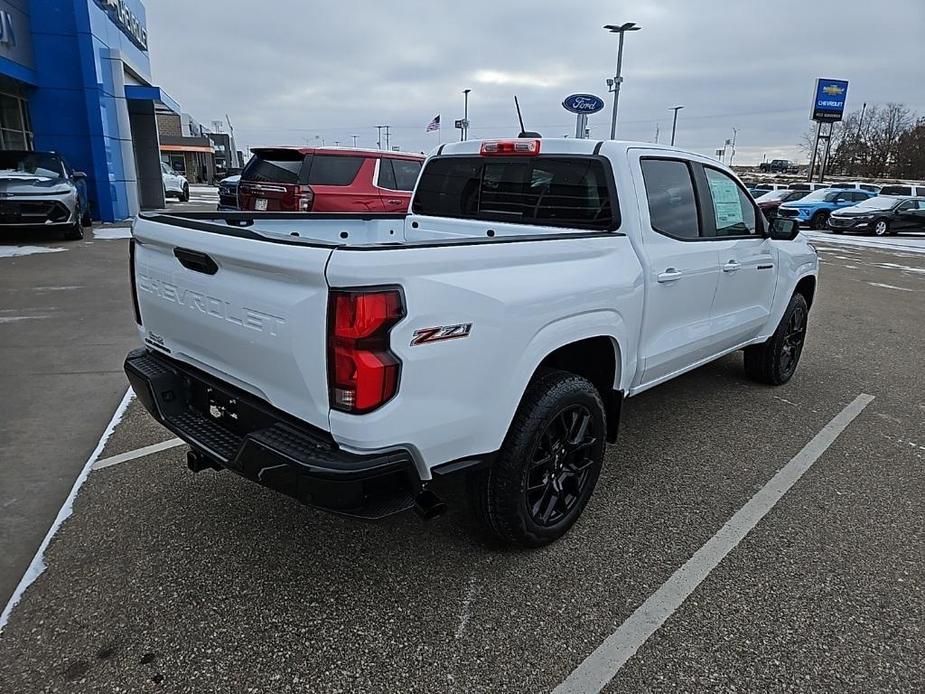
x: 75, y: 78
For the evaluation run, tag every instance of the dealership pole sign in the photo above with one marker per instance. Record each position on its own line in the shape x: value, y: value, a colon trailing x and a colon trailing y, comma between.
x: 829, y: 100
x: 127, y: 21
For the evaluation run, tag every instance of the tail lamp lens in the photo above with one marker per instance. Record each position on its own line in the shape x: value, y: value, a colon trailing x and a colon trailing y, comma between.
x: 304, y: 199
x: 362, y: 371
x: 131, y: 279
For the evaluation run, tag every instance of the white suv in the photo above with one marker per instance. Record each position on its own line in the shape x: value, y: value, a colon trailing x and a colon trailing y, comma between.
x: 175, y: 184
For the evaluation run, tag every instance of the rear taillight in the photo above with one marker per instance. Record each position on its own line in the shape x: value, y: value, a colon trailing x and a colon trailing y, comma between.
x: 362, y: 371
x: 523, y: 147
x: 131, y: 279
x: 304, y: 198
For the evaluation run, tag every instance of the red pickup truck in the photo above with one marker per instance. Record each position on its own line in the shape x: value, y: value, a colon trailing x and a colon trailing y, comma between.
x: 328, y: 179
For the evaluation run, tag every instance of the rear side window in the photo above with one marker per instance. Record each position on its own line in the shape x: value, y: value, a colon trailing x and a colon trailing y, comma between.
x: 549, y: 191
x: 274, y: 167
x: 670, y: 194
x: 333, y: 170
x: 386, y: 178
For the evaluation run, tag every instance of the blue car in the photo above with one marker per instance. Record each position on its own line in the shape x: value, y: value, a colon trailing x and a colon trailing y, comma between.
x: 816, y: 207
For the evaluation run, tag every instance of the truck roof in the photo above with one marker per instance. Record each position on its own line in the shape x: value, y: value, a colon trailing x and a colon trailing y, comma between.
x: 560, y: 145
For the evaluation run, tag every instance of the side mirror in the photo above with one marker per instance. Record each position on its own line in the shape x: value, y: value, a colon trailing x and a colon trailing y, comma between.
x: 79, y: 174
x: 783, y: 229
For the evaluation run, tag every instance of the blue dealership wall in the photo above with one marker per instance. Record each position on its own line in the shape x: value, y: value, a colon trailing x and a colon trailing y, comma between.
x: 78, y: 104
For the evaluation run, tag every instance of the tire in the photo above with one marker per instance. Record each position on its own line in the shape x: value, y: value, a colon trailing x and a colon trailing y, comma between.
x: 548, y: 464
x: 818, y: 221
x: 86, y: 220
x: 184, y: 196
x: 775, y: 361
x: 881, y: 228
x: 75, y: 232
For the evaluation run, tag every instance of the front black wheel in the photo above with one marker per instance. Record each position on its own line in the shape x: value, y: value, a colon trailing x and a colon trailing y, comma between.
x: 548, y: 465
x: 75, y: 231
x: 818, y: 221
x: 184, y: 196
x: 881, y: 227
x: 775, y: 361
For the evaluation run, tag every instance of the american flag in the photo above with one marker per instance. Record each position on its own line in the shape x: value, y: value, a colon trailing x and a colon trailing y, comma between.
x: 433, y: 125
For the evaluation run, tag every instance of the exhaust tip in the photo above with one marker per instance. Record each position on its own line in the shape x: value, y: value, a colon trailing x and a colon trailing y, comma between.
x: 428, y: 505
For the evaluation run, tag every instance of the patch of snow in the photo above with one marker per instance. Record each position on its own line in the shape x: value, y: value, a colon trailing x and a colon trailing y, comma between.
x: 16, y: 251
x: 909, y: 245
x: 13, y: 319
x: 111, y: 233
x: 890, y: 286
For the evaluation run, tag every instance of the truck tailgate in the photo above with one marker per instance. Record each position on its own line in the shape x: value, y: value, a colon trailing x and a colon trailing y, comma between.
x: 250, y: 312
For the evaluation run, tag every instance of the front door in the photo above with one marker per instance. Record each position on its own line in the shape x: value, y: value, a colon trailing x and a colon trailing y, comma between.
x: 747, y: 262
x: 682, y: 269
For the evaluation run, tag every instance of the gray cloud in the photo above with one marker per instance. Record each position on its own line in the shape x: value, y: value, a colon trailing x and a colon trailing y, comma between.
x: 290, y: 70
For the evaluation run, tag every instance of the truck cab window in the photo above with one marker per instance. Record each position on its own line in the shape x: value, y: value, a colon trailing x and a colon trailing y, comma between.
x: 670, y: 194
x: 733, y: 210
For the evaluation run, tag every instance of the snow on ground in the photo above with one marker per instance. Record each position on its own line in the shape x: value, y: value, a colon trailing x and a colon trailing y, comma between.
x: 906, y: 244
x: 110, y: 233
x: 15, y: 251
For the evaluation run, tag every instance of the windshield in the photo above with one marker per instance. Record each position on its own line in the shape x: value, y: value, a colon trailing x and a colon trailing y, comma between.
x: 35, y: 163
x: 880, y: 203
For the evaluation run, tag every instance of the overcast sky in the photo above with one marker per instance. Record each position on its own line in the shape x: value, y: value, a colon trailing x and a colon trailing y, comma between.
x: 295, y: 71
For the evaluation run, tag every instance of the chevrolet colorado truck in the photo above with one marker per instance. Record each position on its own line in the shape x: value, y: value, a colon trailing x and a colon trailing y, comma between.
x: 356, y: 361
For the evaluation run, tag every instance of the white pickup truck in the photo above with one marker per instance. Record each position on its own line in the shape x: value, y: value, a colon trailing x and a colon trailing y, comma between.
x: 354, y: 361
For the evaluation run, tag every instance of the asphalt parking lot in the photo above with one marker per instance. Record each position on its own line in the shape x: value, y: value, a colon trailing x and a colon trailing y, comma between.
x: 162, y: 579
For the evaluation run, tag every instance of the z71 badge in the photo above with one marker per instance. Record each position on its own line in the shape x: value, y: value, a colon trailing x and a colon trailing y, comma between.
x: 424, y: 336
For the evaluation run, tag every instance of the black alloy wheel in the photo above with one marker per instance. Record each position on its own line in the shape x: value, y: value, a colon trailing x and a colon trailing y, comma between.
x: 794, y: 337
x: 560, y: 467
x: 819, y: 219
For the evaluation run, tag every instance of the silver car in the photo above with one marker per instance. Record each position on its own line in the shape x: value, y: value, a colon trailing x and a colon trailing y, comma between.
x: 39, y: 189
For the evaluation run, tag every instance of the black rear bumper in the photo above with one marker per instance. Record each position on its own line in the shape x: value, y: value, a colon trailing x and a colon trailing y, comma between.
x: 235, y: 430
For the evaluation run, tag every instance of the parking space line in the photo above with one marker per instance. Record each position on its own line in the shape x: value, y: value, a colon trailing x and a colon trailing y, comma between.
x: 599, y: 668
x: 37, y: 565
x: 137, y: 453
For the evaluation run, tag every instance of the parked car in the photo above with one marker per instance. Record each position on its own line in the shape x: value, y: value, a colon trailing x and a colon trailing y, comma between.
x: 815, y: 208
x: 770, y: 201
x: 760, y: 189
x: 175, y: 184
x: 778, y: 166
x: 808, y: 186
x: 295, y: 179
x: 880, y: 216
x: 39, y: 189
x: 910, y: 190
x: 228, y: 193
x: 357, y: 361
x: 857, y: 185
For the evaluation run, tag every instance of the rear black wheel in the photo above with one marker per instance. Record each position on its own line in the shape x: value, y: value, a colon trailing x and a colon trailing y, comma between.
x: 775, y: 361
x: 548, y: 465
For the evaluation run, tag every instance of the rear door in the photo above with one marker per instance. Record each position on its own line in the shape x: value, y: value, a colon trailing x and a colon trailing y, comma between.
x: 681, y: 268
x: 343, y: 183
x: 270, y: 180
x: 395, y: 179
x: 747, y: 260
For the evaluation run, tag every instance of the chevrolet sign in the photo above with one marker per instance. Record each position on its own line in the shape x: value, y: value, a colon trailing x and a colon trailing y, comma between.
x: 829, y: 100
x: 127, y: 21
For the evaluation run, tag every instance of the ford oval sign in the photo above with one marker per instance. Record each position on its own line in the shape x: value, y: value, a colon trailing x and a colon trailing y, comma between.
x: 583, y: 103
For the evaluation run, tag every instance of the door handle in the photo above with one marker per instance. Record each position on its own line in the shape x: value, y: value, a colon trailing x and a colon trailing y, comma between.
x: 670, y: 275
x: 731, y: 266
x: 394, y: 202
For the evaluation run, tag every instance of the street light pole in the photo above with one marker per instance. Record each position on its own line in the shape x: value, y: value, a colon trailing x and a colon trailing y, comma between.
x: 614, y: 84
x: 674, y: 122
x: 464, y: 131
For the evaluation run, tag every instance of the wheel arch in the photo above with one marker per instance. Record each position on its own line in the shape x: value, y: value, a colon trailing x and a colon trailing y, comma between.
x: 807, y: 287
